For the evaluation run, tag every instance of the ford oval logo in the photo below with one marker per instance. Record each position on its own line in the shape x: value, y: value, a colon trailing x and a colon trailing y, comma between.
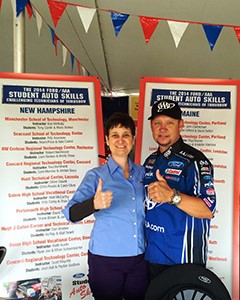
x: 204, y: 279
x: 176, y: 164
x: 78, y: 275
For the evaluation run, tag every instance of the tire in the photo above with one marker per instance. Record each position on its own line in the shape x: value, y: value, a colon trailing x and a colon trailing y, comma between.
x: 187, y: 279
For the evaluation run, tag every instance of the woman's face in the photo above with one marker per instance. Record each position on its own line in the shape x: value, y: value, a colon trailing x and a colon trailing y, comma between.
x: 120, y: 141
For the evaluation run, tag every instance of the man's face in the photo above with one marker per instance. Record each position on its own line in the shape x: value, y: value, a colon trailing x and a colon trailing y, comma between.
x: 166, y: 131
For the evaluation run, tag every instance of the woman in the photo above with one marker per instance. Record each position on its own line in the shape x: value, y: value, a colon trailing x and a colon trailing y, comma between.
x: 115, y: 194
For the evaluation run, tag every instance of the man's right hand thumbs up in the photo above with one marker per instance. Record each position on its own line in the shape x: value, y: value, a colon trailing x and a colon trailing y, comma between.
x: 102, y: 199
x: 159, y: 191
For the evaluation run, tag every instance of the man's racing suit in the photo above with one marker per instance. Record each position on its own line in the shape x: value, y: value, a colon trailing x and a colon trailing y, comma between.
x: 174, y: 237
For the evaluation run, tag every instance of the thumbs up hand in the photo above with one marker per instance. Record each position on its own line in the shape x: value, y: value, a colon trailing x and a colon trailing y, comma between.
x: 102, y: 199
x: 159, y: 191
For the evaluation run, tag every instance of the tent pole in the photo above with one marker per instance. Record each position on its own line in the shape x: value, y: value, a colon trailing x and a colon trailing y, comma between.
x: 19, y: 43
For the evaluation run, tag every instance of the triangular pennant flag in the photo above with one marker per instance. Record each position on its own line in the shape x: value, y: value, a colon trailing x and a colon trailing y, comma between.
x: 64, y: 54
x: 118, y: 20
x: 38, y: 21
x: 55, y: 39
x: 29, y: 9
x: 56, y: 10
x: 237, y: 31
x: 177, y: 29
x: 20, y: 5
x: 72, y: 61
x: 86, y: 15
x: 0, y: 4
x: 52, y: 34
x: 212, y: 33
x: 148, y: 25
x: 79, y: 67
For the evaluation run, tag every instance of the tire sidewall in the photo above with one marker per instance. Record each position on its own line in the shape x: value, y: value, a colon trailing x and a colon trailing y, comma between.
x: 186, y: 276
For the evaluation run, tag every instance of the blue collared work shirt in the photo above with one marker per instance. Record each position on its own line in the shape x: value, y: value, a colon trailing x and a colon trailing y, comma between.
x: 119, y: 229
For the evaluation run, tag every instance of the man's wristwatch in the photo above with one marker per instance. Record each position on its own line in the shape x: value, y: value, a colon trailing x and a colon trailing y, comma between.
x: 176, y: 197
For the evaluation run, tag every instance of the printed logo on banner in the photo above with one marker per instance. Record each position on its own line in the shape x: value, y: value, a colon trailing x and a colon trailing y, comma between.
x: 16, y: 94
x: 194, y: 98
x: 78, y: 275
x: 80, y: 287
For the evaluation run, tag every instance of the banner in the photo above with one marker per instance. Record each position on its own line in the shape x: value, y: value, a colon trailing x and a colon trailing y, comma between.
x: 210, y: 113
x: 51, y: 134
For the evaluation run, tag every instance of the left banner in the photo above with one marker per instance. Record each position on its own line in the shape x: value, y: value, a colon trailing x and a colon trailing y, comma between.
x: 51, y: 134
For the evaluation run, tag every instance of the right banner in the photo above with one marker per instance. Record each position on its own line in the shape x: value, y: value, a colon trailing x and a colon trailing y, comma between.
x: 210, y: 110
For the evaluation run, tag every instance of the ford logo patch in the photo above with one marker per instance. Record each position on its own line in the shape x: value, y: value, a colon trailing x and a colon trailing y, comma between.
x: 176, y: 164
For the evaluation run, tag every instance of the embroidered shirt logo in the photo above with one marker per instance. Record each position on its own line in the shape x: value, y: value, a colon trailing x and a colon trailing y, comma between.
x: 173, y: 171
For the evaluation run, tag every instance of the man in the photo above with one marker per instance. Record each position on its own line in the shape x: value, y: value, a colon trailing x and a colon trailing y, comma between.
x: 181, y: 197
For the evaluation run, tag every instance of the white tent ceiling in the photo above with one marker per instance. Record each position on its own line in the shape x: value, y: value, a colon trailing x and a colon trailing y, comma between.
x: 120, y: 61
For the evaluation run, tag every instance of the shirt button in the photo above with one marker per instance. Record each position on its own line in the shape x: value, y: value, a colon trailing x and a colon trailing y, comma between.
x: 134, y: 223
x: 133, y: 210
x: 133, y: 198
x: 134, y: 236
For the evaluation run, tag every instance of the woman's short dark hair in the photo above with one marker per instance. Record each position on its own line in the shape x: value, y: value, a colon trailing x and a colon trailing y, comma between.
x: 122, y: 119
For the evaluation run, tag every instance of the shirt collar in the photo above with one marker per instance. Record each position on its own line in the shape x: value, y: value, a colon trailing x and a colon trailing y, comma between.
x: 113, y: 166
x: 172, y: 149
